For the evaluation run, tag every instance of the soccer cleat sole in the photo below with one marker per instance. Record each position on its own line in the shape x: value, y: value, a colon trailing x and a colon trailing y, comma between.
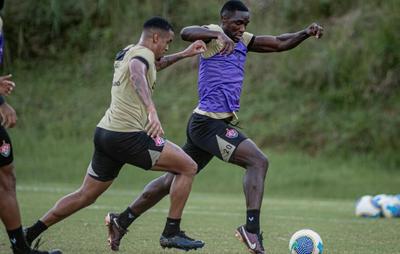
x: 179, y: 248
x: 169, y: 245
x: 240, y: 238
x: 107, y: 221
x: 173, y: 247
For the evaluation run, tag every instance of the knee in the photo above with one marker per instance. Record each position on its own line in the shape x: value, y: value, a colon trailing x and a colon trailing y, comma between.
x: 261, y: 163
x: 8, y: 180
x: 192, y: 168
x: 264, y: 162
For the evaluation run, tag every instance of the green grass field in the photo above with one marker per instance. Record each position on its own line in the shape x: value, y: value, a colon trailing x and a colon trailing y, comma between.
x: 211, y: 217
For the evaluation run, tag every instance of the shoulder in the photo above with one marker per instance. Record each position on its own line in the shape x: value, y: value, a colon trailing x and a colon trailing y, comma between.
x: 247, y: 38
x: 143, y: 54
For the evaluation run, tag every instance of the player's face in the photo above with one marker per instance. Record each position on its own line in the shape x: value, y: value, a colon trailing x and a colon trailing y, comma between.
x: 234, y: 24
x: 165, y: 39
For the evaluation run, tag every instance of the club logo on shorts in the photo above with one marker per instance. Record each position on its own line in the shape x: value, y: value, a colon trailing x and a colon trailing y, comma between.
x: 231, y: 133
x: 159, y: 141
x: 5, y: 149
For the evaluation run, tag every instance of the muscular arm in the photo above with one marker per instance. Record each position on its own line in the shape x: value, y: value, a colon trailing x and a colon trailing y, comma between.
x: 284, y: 42
x: 279, y: 43
x: 193, y: 33
x: 139, y: 82
x: 193, y: 49
x: 166, y: 61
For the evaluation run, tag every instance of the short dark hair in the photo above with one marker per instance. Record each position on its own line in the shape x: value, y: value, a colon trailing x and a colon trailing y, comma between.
x: 158, y: 22
x: 233, y: 5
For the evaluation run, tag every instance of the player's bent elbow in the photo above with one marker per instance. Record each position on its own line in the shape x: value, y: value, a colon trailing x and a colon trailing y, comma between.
x: 185, y: 34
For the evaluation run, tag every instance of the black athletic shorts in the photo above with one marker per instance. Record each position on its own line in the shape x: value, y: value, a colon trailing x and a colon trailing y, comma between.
x: 113, y: 149
x: 208, y: 137
x: 6, y: 151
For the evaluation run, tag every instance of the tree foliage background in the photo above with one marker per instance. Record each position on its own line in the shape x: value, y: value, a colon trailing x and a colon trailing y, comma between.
x: 338, y: 95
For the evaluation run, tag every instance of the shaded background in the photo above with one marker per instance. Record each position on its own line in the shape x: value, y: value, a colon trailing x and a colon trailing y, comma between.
x: 326, y: 113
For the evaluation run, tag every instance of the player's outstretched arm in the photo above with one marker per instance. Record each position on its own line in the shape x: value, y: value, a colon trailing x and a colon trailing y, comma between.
x: 284, y: 42
x: 193, y: 49
x: 193, y: 33
x: 139, y: 82
x: 6, y: 85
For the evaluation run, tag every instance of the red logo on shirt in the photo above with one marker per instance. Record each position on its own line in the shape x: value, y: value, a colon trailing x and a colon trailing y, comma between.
x: 5, y: 149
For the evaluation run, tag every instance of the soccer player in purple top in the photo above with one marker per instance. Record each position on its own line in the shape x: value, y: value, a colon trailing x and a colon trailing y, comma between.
x: 209, y: 131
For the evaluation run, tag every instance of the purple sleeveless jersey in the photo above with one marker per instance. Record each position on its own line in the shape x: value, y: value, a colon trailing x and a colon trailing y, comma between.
x: 1, y: 46
x: 220, y: 80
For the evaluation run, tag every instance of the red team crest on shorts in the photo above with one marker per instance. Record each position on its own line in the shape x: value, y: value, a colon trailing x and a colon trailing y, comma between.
x: 5, y: 149
x: 159, y: 141
x: 231, y: 133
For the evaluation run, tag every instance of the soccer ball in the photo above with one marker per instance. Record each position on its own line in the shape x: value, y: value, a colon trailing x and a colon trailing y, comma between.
x: 366, y: 207
x: 378, y: 200
x: 391, y: 207
x: 306, y: 241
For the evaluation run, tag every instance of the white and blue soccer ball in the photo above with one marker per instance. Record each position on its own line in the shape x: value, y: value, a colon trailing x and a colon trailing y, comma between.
x: 379, y: 199
x: 391, y: 207
x: 367, y: 207
x: 306, y: 241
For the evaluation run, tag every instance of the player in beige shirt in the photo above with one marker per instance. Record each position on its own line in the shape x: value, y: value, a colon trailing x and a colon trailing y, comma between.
x: 130, y: 132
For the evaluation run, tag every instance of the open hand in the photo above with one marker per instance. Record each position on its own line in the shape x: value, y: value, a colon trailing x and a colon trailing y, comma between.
x: 227, y: 44
x: 315, y: 30
x: 153, y: 126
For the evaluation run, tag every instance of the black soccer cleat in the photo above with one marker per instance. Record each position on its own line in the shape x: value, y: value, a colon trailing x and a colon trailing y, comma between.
x: 180, y: 241
x: 254, y: 242
x: 115, y: 231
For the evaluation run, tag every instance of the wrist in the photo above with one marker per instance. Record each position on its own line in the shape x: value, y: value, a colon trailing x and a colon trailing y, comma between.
x: 151, y: 109
x: 183, y: 54
x: 305, y: 33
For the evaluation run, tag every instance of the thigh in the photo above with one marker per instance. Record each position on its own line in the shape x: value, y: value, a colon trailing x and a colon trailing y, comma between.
x: 246, y: 153
x: 217, y: 137
x: 102, y: 167
x: 201, y: 157
x: 105, y: 164
x: 174, y: 159
x: 114, y: 149
x: 6, y: 149
x: 7, y: 177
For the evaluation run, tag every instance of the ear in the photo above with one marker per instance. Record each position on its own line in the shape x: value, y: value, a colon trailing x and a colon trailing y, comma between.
x: 156, y: 37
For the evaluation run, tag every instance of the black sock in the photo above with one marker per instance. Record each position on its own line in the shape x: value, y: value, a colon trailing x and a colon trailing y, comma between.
x: 17, y: 240
x: 126, y: 218
x: 253, y: 221
x: 172, y: 227
x: 35, y: 230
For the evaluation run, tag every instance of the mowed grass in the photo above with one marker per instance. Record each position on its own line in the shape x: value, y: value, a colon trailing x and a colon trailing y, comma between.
x: 211, y: 217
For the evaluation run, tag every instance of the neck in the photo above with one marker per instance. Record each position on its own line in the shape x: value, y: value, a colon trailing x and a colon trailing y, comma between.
x: 144, y: 43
